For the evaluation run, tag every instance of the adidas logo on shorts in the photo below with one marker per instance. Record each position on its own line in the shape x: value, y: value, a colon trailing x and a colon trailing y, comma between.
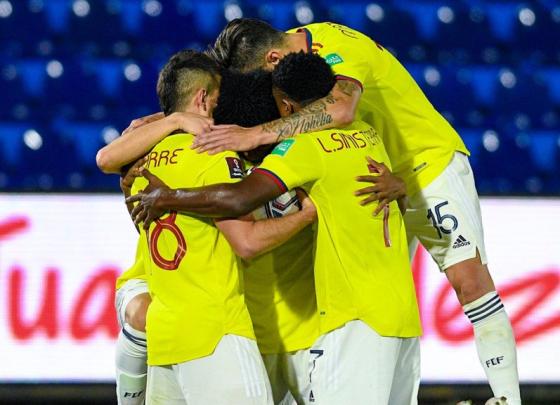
x: 460, y: 242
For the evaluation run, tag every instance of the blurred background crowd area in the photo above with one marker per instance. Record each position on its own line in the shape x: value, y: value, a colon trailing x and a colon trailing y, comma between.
x: 73, y: 73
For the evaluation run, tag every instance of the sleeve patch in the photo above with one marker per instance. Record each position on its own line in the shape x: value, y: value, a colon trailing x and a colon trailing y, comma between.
x: 333, y: 59
x: 283, y: 147
x: 236, y: 168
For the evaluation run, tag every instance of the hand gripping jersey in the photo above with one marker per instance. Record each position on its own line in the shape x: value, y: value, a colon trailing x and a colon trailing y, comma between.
x: 194, y: 280
x: 419, y: 141
x: 362, y: 270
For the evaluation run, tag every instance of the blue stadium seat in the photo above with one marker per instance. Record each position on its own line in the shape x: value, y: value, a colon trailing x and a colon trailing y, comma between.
x: 551, y: 78
x: 516, y: 94
x: 25, y: 23
x: 139, y: 85
x: 71, y: 91
x: 351, y: 13
x: 536, y: 29
x: 11, y: 88
x: 462, y: 31
x: 95, y: 21
x: 544, y: 148
x: 164, y: 21
x: 502, y: 15
x: 392, y: 28
x: 84, y: 137
x: 11, y: 139
x: 450, y: 92
x: 33, y: 73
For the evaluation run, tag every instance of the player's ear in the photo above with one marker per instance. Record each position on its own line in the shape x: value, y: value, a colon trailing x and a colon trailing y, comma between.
x: 286, y: 108
x: 273, y: 57
x: 201, y: 101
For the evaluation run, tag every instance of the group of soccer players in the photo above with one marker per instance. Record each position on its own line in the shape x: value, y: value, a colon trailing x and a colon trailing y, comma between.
x: 326, y: 290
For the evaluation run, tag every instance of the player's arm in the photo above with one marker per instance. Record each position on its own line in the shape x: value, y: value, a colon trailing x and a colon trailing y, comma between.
x: 250, y: 238
x: 141, y: 136
x: 336, y: 110
x: 226, y: 200
x: 128, y: 175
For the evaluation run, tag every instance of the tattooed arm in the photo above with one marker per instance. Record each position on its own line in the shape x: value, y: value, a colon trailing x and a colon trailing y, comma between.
x: 337, y: 109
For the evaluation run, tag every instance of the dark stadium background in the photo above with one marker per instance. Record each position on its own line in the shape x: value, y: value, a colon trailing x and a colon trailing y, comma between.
x: 74, y: 73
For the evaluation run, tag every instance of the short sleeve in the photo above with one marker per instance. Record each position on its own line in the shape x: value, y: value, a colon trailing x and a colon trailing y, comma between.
x: 349, y: 53
x: 293, y: 163
x: 224, y: 168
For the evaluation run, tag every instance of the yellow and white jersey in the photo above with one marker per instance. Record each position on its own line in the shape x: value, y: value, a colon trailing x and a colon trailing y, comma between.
x: 419, y: 141
x: 193, y: 276
x: 362, y: 270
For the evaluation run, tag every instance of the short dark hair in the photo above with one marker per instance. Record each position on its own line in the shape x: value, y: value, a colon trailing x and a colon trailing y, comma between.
x: 184, y: 73
x: 303, y: 77
x: 245, y: 99
x: 244, y: 42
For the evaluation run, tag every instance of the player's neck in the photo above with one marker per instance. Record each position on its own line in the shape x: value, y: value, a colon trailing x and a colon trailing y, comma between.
x: 296, y: 42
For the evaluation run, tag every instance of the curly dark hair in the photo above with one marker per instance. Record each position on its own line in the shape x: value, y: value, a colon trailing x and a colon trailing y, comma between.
x: 245, y: 99
x: 303, y: 77
x: 185, y: 72
x: 244, y: 42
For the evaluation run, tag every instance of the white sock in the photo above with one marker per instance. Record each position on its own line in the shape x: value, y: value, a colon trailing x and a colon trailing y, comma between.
x: 131, y: 367
x: 495, y: 344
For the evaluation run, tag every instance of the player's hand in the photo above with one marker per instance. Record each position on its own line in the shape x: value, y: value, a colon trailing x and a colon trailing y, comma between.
x: 307, y: 204
x: 150, y: 200
x: 386, y: 186
x: 128, y: 177
x: 139, y: 122
x: 192, y: 123
x: 226, y: 137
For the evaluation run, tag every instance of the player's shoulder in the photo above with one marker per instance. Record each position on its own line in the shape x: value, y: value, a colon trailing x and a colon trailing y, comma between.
x: 235, y: 165
x: 176, y: 140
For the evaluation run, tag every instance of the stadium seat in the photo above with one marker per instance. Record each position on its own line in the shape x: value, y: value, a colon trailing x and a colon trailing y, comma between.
x: 463, y: 33
x: 24, y: 21
x: 392, y: 28
x: 515, y: 94
x: 536, y: 30
x: 95, y: 21
x: 33, y: 73
x: 11, y: 139
x: 84, y: 137
x: 544, y: 149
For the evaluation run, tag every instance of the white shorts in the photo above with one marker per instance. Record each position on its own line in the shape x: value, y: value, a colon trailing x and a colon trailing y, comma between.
x: 130, y: 289
x: 233, y: 374
x: 355, y: 365
x: 289, y: 376
x: 445, y: 216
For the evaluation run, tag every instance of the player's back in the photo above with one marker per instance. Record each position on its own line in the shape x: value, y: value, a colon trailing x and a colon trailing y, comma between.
x: 362, y: 270
x: 280, y: 295
x: 418, y: 139
x: 196, y: 287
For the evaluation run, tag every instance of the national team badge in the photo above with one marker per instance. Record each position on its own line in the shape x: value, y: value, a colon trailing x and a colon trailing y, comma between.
x: 333, y: 59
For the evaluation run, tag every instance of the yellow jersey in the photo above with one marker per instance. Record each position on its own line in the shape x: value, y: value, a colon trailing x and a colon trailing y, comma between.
x: 138, y: 268
x: 280, y: 295
x: 362, y: 270
x: 419, y: 141
x: 193, y: 276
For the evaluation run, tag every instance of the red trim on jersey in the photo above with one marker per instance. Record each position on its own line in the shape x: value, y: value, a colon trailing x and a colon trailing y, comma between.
x: 277, y: 180
x: 342, y: 77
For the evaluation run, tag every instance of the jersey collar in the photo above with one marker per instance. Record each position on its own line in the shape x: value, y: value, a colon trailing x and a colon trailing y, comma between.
x: 308, y: 39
